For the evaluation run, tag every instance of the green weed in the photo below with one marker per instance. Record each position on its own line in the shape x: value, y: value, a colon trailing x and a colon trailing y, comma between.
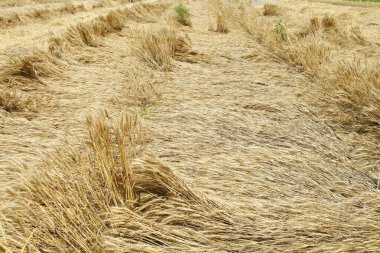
x: 280, y: 30
x: 183, y: 15
x: 144, y: 111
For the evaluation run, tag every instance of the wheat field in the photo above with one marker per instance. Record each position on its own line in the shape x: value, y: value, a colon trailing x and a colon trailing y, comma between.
x: 189, y: 126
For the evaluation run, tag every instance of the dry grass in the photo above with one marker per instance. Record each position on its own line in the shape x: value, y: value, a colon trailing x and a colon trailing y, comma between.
x: 329, y: 29
x: 348, y: 91
x: 71, y: 8
x: 329, y: 23
x: 354, y: 87
x: 144, y: 93
x: 27, y: 72
x: 16, y: 19
x: 11, y: 20
x: 40, y: 14
x: 24, y: 74
x: 148, y: 13
x: 36, y: 66
x: 159, y: 45
x: 183, y: 45
x: 247, y: 18
x: 86, y: 34
x: 221, y: 24
x: 313, y: 27
x: 221, y: 14
x: 81, y: 34
x: 271, y: 10
x: 155, y: 46
x: 311, y: 54
x: 115, y: 21
x: 12, y: 101
x: 102, y: 4
x: 3, y: 249
x: 146, y: 87
x: 356, y: 34
x: 348, y: 3
x: 125, y: 1
x: 112, y: 195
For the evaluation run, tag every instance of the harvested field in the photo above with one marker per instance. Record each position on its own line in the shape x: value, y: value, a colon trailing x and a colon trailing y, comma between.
x: 194, y: 126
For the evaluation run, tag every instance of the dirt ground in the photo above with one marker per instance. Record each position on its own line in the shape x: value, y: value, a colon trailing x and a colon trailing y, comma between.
x: 242, y: 128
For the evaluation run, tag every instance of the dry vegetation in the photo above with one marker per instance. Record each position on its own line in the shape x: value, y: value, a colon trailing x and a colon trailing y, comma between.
x: 159, y: 45
x: 87, y: 34
x: 12, y: 101
x: 111, y: 193
x: 311, y: 50
x: 36, y: 66
x: 219, y: 15
x: 122, y: 184
x: 271, y: 10
x: 221, y: 24
x: 349, y: 88
x: 26, y: 73
x: 40, y: 14
x: 118, y: 195
x: 21, y: 70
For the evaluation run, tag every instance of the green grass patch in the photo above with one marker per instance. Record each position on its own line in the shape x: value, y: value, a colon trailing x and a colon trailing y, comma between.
x: 183, y: 15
